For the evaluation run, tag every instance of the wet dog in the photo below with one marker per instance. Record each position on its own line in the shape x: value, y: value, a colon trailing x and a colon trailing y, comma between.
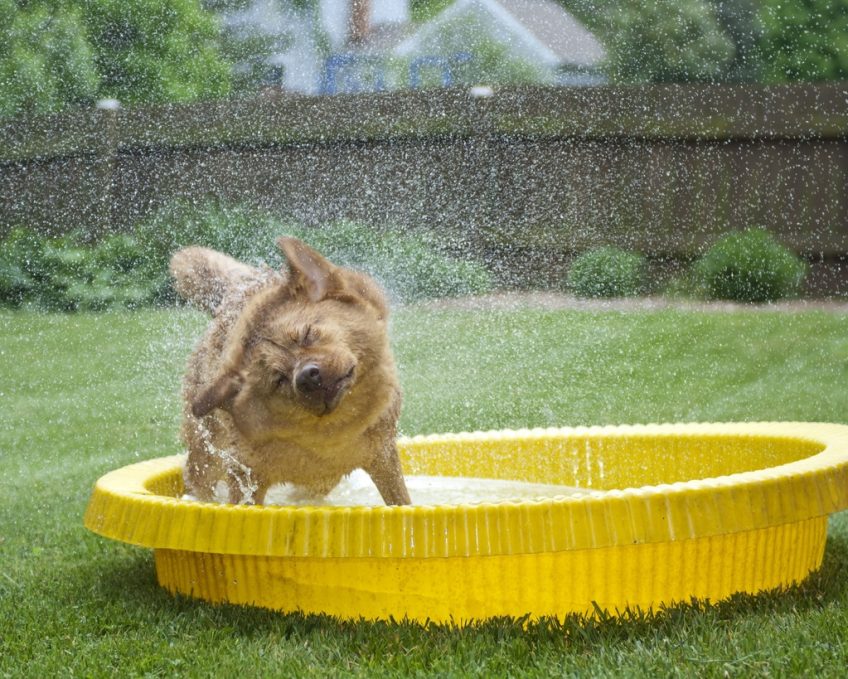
x: 294, y: 380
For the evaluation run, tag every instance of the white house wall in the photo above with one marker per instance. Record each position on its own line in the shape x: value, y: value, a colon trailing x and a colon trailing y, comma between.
x: 576, y: 47
x: 303, y: 65
x: 508, y: 29
x: 335, y: 19
x: 390, y: 12
x: 266, y: 17
x: 303, y: 61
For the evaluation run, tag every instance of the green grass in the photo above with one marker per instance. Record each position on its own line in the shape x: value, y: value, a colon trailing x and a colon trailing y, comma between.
x: 83, y: 394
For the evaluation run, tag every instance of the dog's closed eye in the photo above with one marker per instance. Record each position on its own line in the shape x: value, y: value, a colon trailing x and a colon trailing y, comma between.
x: 307, y: 336
x: 275, y: 343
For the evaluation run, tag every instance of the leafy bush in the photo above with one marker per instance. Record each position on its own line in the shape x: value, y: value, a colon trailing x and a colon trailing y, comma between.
x: 244, y: 234
x: 608, y: 272
x: 132, y: 270
x: 749, y: 266
x: 65, y: 274
x: 409, y: 265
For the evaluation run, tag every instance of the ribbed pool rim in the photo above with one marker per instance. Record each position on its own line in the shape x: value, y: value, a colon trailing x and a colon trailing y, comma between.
x: 124, y: 507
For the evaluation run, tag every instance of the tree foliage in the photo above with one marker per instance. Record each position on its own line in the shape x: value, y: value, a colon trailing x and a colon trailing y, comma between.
x: 478, y: 55
x: 720, y: 40
x: 156, y: 50
x: 740, y: 21
x: 64, y: 53
x: 661, y: 41
x: 804, y: 40
x: 423, y: 10
x: 46, y: 59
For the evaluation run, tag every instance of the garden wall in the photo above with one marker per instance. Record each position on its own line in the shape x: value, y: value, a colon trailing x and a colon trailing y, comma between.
x: 661, y: 169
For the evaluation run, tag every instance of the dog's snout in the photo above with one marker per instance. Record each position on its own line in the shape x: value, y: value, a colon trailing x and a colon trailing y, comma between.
x: 321, y: 387
x: 309, y: 378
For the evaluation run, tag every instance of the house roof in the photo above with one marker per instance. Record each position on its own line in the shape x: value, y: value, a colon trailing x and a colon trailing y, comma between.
x: 557, y: 29
x: 545, y: 28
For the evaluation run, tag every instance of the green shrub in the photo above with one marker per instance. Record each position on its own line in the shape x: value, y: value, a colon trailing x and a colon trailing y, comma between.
x: 241, y: 232
x: 749, y: 266
x: 65, y: 274
x: 244, y: 234
x: 17, y: 256
x: 132, y: 270
x: 608, y: 272
x: 409, y: 265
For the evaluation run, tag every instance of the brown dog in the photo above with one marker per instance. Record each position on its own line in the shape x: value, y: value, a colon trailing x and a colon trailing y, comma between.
x: 294, y: 380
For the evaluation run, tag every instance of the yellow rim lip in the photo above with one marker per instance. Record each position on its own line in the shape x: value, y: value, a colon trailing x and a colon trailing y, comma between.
x: 123, y: 508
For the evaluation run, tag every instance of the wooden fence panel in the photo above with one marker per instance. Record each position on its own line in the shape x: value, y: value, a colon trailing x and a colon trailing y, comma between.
x: 662, y: 169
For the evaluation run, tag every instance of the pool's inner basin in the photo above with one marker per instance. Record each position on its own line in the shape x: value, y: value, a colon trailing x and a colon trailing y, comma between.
x: 601, y: 460
x: 474, y: 468
x: 453, y: 472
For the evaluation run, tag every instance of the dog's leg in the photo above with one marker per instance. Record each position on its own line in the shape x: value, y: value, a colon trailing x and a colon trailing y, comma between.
x: 198, y: 487
x: 386, y: 473
x: 245, y: 488
x: 202, y: 471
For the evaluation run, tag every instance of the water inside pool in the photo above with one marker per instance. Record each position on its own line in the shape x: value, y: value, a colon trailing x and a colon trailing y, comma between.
x: 357, y: 489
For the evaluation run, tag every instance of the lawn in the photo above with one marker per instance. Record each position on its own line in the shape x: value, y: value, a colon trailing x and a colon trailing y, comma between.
x: 83, y: 394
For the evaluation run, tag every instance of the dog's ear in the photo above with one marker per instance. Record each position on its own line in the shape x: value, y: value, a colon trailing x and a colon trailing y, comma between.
x: 309, y: 272
x: 219, y: 394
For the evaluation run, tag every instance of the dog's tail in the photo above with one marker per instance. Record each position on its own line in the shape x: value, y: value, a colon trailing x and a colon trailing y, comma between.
x: 203, y: 276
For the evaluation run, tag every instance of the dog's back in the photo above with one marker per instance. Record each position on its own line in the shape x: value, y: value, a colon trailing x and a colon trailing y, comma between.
x: 204, y: 277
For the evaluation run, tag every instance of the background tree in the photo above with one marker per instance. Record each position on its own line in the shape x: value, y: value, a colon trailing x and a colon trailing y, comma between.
x: 720, y: 40
x: 660, y: 41
x: 248, y: 50
x: 153, y: 51
x: 487, y: 59
x: 46, y: 59
x: 804, y: 40
x: 64, y: 53
x: 740, y: 21
x: 422, y: 10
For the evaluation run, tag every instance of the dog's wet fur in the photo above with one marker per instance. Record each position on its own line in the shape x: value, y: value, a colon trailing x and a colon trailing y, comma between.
x: 294, y: 380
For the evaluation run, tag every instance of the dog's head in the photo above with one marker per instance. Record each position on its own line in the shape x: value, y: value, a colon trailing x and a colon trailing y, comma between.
x: 311, y: 346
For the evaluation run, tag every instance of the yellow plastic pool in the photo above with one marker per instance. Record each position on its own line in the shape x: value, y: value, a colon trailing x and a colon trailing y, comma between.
x: 673, y: 512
